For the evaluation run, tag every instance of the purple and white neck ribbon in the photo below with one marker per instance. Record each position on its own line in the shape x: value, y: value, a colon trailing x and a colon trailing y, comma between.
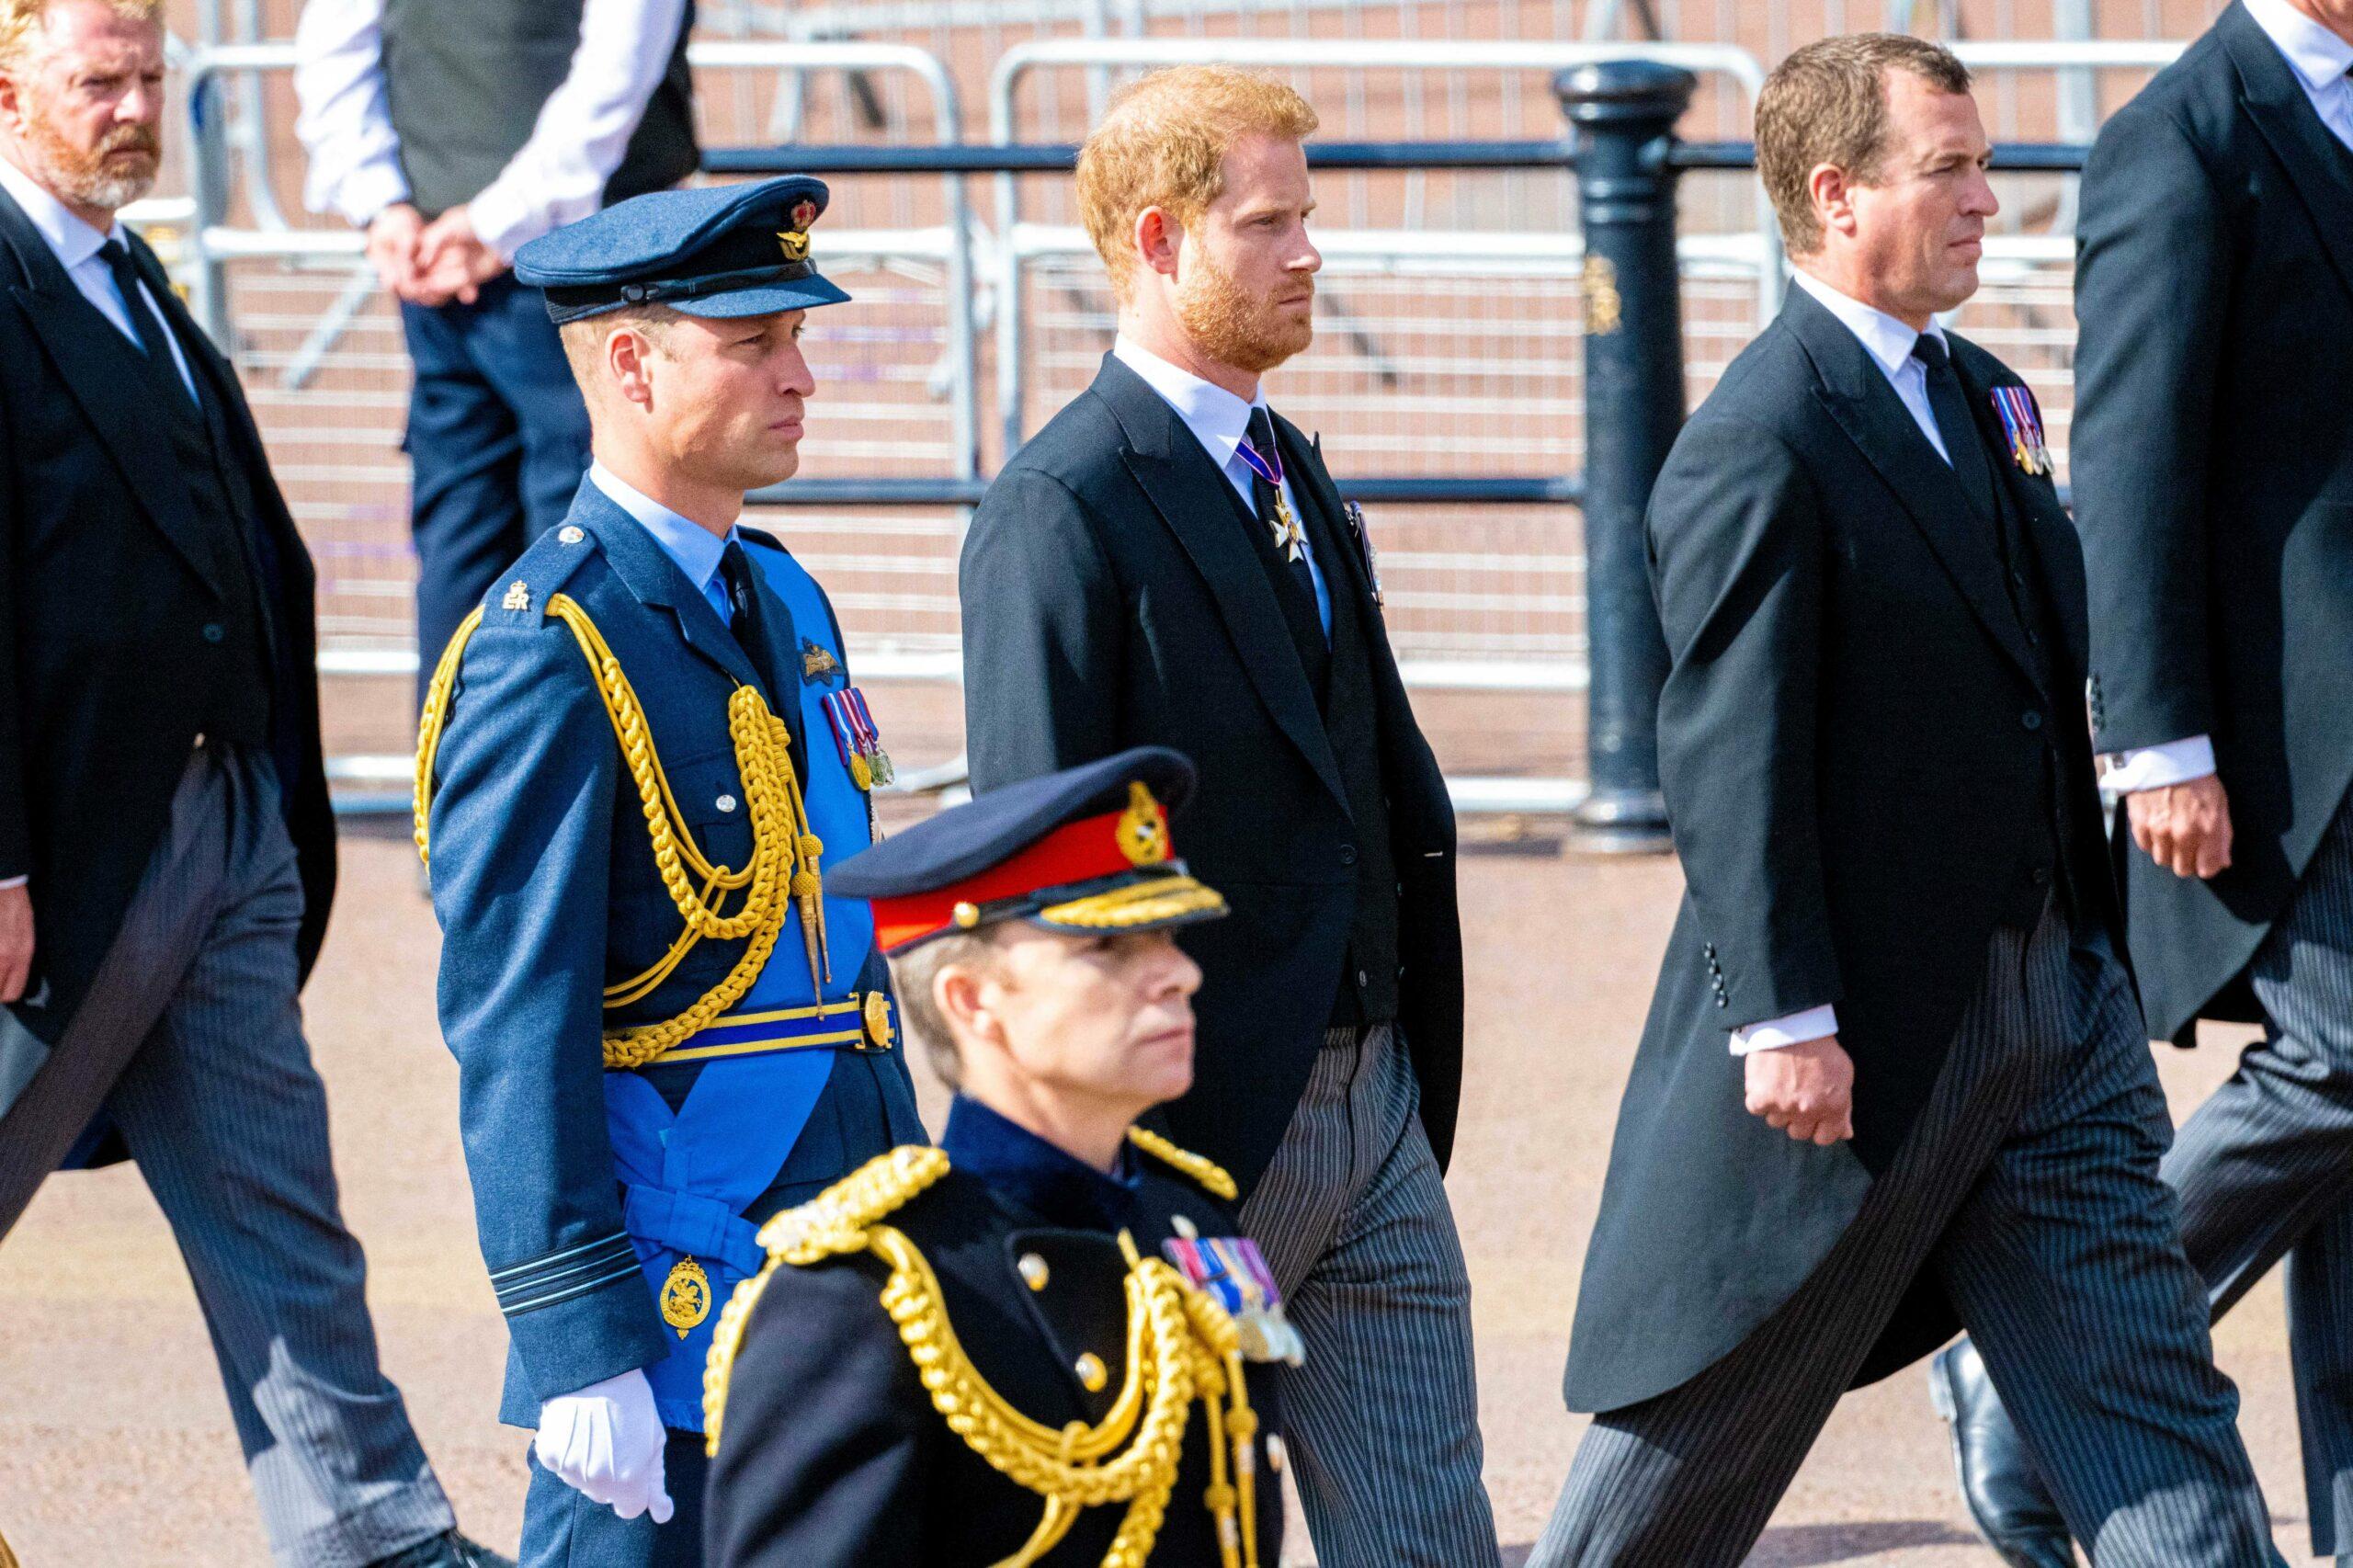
x: 1282, y: 525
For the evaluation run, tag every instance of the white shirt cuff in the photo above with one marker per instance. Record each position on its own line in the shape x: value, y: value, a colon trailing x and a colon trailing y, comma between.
x: 365, y: 191
x: 1815, y: 1023
x: 14, y: 881
x: 2153, y: 767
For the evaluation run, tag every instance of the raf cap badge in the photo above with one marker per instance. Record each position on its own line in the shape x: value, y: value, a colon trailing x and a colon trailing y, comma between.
x: 795, y: 240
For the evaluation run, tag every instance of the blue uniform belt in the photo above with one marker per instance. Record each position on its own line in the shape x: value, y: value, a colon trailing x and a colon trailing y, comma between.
x: 865, y: 1021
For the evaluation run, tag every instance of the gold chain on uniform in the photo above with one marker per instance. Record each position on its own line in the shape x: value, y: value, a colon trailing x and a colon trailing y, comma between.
x: 1181, y: 1347
x: 784, y: 866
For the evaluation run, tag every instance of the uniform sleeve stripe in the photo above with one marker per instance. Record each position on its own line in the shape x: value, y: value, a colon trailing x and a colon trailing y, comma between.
x: 554, y: 1257
x: 539, y: 1284
x: 589, y: 1287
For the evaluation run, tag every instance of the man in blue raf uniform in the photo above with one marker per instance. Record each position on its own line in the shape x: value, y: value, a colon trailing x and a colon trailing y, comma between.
x: 650, y: 717
x: 1072, y: 1292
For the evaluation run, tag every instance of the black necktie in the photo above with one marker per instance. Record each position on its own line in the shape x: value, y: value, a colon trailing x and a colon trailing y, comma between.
x: 1963, y: 445
x: 142, y: 317
x: 1267, y: 501
x: 744, y: 617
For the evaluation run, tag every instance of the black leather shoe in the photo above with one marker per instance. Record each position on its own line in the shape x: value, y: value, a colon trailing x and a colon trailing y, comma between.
x: 2005, y: 1496
x: 449, y: 1550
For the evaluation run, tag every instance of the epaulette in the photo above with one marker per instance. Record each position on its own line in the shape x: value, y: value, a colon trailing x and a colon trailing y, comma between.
x: 1211, y: 1176
x: 834, y: 1221
x: 831, y: 1225
x: 520, y: 595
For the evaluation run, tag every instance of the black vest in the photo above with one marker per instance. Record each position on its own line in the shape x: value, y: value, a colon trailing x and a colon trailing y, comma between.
x: 2055, y: 847
x: 465, y: 81
x: 232, y: 684
x: 1340, y: 674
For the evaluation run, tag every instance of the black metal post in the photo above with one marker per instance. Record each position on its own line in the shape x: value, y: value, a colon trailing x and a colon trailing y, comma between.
x: 1623, y: 115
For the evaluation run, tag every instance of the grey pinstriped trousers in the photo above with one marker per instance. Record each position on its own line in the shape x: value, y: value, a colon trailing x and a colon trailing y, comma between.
x: 1382, y: 1422
x: 227, y: 1121
x: 2029, y: 1185
x: 2265, y: 1167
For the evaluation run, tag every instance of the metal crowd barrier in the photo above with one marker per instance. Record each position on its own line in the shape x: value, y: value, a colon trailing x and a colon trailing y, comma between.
x: 1620, y: 104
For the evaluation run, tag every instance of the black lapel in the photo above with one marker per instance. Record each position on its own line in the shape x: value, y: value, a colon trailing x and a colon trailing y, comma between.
x: 2318, y: 165
x: 646, y: 569
x: 1184, y: 488
x: 1856, y: 391
x: 2055, y: 548
x: 82, y: 344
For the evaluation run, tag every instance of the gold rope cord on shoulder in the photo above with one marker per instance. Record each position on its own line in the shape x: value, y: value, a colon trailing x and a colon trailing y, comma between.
x: 784, y: 866
x: 1181, y: 1347
x: 1208, y: 1172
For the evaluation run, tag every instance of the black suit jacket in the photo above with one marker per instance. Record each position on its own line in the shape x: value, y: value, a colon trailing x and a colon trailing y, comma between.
x: 1111, y: 599
x: 2213, y: 482
x: 103, y: 670
x: 1853, y: 750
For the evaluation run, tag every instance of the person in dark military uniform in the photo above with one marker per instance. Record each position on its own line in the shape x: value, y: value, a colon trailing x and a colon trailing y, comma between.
x: 637, y: 759
x: 1070, y: 1290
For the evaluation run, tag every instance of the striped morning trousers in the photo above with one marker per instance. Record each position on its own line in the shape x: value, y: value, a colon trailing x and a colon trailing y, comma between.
x: 227, y: 1121
x: 1382, y: 1422
x: 2029, y: 1183
x: 2265, y: 1167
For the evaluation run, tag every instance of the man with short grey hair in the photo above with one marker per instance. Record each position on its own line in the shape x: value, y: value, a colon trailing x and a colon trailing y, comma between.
x: 1894, y: 1080
x: 166, y: 850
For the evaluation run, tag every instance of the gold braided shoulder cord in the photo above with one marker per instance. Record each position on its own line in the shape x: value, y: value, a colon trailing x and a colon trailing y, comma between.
x: 1209, y: 1174
x: 784, y: 867
x: 1181, y: 1346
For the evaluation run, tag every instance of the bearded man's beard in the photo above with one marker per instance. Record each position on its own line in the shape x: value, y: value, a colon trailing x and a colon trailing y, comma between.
x: 95, y: 178
x: 1235, y: 327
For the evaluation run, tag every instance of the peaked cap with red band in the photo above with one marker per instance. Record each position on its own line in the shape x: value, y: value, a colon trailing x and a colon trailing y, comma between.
x: 1086, y: 850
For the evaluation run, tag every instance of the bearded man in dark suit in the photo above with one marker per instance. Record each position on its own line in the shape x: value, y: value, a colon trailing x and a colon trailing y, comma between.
x: 1168, y: 564
x: 166, y: 851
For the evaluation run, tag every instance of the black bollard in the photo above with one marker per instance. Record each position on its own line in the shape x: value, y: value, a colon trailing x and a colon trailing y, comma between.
x: 1622, y: 116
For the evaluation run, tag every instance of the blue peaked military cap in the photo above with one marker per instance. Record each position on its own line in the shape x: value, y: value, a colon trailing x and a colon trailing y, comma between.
x: 713, y: 250
x: 1086, y: 850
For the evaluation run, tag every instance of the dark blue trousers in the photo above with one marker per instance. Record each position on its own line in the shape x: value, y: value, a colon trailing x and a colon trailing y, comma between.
x: 497, y: 441
x: 561, y: 1528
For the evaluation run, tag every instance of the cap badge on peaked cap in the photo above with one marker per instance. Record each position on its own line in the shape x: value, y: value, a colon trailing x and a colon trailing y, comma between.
x: 1143, y: 827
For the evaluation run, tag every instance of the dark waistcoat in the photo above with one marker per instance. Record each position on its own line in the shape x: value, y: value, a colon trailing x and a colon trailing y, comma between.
x: 237, y: 710
x: 1340, y: 673
x: 466, y: 79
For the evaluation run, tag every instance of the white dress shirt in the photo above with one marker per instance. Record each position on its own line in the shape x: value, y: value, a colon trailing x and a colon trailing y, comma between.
x: 76, y: 246
x: 692, y: 548
x: 1219, y: 420
x: 560, y: 174
x: 2319, y: 60
x: 1889, y: 342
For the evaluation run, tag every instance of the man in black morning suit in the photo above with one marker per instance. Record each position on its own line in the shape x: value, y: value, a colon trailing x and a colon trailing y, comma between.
x: 1168, y: 564
x: 1894, y: 1071
x: 166, y: 850
x: 2212, y: 464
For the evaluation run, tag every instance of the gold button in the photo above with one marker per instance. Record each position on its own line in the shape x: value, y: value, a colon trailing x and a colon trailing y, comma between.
x: 967, y: 914
x: 1091, y: 1372
x: 726, y: 803
x: 570, y: 534
x: 1034, y: 1272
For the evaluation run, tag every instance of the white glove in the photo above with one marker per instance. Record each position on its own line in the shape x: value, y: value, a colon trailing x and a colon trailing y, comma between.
x: 606, y: 1441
